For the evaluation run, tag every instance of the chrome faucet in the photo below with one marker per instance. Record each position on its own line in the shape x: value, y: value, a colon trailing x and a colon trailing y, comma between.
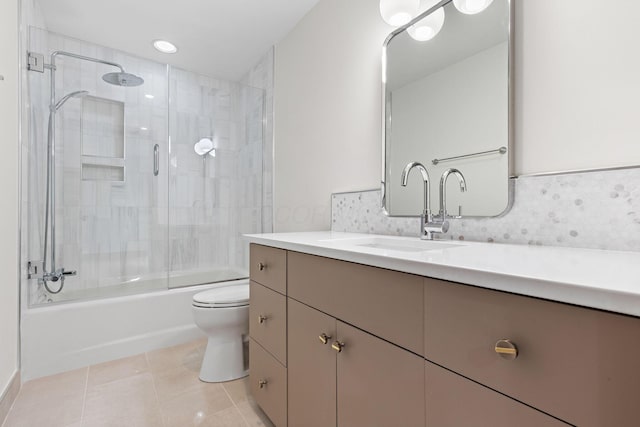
x: 427, y: 226
x: 442, y: 214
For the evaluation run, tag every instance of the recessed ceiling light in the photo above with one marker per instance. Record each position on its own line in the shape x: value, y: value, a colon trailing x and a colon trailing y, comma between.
x: 149, y: 96
x: 165, y: 46
x: 143, y: 128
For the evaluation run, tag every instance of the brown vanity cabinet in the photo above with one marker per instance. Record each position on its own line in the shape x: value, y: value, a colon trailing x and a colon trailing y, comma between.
x: 340, y: 375
x: 268, y: 331
x: 577, y: 364
x: 355, y: 345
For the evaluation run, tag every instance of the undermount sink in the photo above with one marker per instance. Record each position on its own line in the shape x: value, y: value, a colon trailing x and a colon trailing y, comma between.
x: 394, y: 244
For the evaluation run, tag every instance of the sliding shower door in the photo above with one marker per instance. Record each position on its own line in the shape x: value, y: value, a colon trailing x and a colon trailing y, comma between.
x: 215, y: 183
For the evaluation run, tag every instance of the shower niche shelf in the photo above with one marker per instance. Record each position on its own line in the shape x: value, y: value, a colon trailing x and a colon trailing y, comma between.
x: 103, y: 141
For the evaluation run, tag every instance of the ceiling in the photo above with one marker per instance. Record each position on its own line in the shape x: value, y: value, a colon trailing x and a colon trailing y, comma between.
x: 219, y: 38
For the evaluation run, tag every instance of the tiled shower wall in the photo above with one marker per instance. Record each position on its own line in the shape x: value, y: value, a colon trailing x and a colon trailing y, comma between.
x: 213, y: 200
x: 598, y: 209
x: 185, y: 223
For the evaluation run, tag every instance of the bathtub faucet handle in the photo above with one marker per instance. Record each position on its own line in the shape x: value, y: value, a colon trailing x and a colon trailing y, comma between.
x: 70, y: 273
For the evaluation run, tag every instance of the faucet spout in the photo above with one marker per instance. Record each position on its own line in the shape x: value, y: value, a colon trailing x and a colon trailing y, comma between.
x: 443, y: 189
x: 425, y: 177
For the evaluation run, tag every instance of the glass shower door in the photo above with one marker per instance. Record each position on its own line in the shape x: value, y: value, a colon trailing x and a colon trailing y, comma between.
x: 215, y: 182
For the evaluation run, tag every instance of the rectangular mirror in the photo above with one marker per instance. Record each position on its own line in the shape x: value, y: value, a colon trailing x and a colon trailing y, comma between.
x: 447, y: 105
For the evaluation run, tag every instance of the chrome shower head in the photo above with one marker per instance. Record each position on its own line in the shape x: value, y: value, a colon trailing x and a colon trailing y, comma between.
x: 76, y: 94
x: 123, y: 79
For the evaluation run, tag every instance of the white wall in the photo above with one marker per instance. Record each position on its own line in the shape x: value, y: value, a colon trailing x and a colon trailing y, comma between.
x: 9, y: 192
x: 327, y: 110
x: 576, y: 88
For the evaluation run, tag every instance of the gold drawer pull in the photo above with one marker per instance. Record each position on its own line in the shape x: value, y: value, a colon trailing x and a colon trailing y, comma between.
x: 261, y: 266
x: 337, y: 346
x: 324, y: 338
x: 262, y: 319
x: 506, y: 349
x: 262, y: 383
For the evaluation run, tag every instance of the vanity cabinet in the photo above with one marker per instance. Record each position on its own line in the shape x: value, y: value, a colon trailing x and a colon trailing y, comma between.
x: 355, y: 345
x: 267, y: 331
x: 340, y: 375
x: 577, y: 364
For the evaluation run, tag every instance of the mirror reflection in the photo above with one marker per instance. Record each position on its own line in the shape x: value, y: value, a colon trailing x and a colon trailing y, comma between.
x: 447, y: 108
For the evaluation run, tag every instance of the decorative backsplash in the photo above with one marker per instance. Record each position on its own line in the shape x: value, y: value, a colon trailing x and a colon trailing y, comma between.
x: 598, y: 209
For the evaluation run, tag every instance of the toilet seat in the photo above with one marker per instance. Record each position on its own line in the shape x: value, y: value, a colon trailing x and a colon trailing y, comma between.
x: 223, y: 297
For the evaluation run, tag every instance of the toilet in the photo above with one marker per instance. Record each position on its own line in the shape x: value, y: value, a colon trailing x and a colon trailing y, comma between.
x: 223, y: 314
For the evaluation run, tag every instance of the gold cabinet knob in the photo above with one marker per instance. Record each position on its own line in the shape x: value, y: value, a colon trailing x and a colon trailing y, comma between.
x: 261, y: 266
x: 262, y: 383
x: 337, y: 346
x: 262, y: 318
x: 506, y: 349
x: 324, y: 338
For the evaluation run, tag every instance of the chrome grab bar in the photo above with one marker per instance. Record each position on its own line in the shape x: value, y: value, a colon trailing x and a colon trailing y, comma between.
x: 156, y: 160
x: 501, y: 150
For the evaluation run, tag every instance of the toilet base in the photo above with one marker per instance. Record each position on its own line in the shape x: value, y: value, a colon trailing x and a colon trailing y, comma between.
x: 223, y: 360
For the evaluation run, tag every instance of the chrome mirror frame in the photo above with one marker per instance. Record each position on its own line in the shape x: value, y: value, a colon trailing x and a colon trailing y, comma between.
x: 510, y: 119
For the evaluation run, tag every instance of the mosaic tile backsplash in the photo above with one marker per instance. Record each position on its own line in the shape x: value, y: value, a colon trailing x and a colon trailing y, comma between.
x: 598, y: 210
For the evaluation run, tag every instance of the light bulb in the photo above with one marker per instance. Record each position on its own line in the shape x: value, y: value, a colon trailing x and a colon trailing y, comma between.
x: 398, y: 12
x: 471, y: 7
x: 428, y: 27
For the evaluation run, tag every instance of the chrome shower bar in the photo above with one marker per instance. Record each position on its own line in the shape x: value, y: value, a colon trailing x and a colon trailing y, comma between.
x: 35, y: 62
x: 501, y: 150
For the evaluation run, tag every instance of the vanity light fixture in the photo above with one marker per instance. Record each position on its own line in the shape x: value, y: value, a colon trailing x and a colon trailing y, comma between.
x: 164, y: 46
x: 399, y: 12
x: 428, y: 27
x: 204, y: 147
x: 471, y: 7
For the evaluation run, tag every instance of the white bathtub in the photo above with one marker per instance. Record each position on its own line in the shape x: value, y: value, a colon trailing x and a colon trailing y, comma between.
x: 67, y: 336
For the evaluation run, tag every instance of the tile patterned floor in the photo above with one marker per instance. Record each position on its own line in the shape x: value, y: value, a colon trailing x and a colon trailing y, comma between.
x: 156, y: 389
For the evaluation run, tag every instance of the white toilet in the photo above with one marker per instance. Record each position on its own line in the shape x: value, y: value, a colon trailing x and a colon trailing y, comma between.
x: 223, y: 314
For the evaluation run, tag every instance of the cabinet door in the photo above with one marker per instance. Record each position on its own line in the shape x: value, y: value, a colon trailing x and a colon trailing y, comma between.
x: 311, y: 367
x: 378, y: 383
x: 268, y: 320
x: 268, y: 380
x: 454, y: 401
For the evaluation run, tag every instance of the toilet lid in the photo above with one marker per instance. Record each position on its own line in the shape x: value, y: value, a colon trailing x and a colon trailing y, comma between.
x: 224, y: 296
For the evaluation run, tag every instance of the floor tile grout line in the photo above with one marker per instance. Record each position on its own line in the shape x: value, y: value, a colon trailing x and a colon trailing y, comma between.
x: 84, y: 395
x: 235, y: 405
x: 155, y: 389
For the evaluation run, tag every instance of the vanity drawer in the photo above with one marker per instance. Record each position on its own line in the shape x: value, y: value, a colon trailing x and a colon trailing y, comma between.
x: 268, y: 380
x: 577, y: 364
x: 386, y: 303
x: 268, y: 320
x: 268, y: 266
x: 454, y: 401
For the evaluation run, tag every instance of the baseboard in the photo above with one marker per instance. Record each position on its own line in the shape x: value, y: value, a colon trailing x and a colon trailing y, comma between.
x: 9, y: 396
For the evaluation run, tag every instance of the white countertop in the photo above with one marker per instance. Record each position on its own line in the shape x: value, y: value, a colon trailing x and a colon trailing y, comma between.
x: 607, y: 280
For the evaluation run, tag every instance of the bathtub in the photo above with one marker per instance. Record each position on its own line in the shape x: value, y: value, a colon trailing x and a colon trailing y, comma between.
x: 62, y: 337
